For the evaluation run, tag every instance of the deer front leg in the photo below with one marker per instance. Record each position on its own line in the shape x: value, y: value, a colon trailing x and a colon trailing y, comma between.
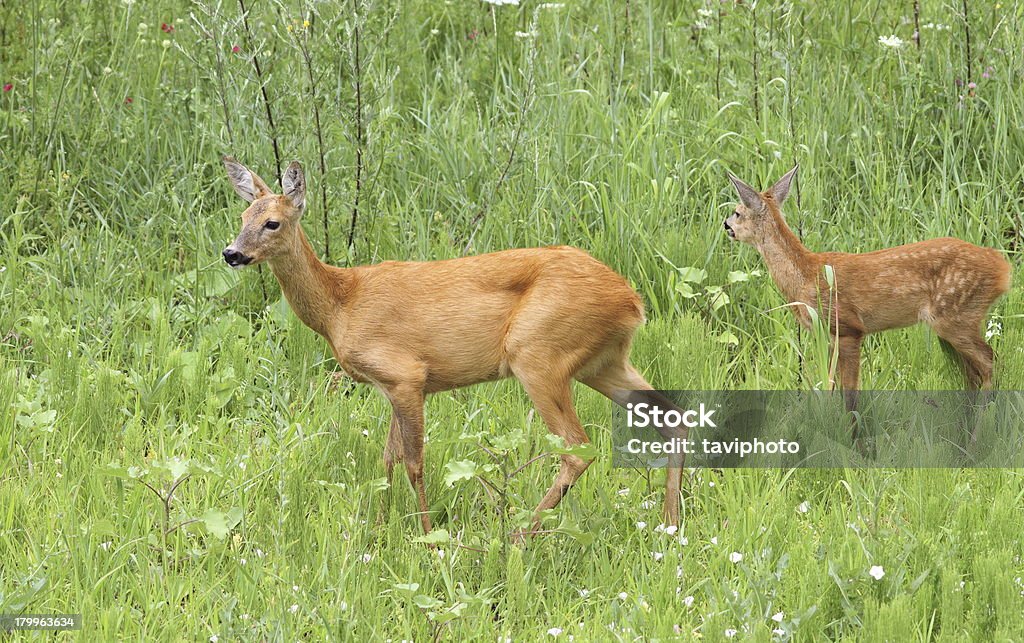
x: 407, y: 405
x: 849, y: 373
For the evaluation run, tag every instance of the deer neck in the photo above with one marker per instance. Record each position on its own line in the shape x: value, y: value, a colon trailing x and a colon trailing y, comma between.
x: 789, y: 262
x: 313, y: 289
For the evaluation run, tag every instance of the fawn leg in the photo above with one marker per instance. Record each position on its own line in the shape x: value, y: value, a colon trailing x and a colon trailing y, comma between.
x: 977, y: 359
x: 849, y: 373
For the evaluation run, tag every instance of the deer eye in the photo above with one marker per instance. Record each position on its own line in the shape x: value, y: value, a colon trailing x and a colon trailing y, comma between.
x: 272, y: 225
x: 737, y: 214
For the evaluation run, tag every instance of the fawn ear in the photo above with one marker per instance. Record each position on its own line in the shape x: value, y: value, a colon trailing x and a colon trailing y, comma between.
x: 247, y: 184
x: 748, y: 195
x: 781, y: 188
x: 294, y: 184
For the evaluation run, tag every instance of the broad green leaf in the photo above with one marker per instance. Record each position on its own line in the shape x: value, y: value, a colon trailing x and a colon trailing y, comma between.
x: 737, y: 276
x: 692, y: 274
x: 219, y: 523
x: 435, y: 537
x: 408, y: 588
x: 685, y: 289
x: 425, y: 602
x: 570, y: 528
x: 557, y: 445
x: 459, y: 470
x: 728, y: 338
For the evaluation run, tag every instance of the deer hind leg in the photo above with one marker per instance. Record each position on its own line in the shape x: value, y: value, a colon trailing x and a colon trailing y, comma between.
x: 553, y: 399
x: 976, y: 358
x: 392, y: 455
x: 622, y: 383
x: 393, y: 447
x: 407, y: 404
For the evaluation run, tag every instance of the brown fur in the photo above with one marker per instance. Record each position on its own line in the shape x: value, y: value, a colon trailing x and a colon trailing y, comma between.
x: 946, y: 283
x: 546, y: 316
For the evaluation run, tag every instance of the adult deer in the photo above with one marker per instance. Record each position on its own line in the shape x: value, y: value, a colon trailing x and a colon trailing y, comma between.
x: 546, y: 316
x: 946, y: 283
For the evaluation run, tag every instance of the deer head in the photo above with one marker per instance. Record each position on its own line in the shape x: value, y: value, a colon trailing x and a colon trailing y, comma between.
x: 754, y: 217
x: 270, y: 225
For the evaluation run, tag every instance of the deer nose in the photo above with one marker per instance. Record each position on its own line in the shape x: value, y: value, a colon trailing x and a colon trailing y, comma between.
x: 234, y: 257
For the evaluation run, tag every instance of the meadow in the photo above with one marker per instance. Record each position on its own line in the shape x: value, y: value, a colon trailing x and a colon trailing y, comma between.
x: 180, y: 460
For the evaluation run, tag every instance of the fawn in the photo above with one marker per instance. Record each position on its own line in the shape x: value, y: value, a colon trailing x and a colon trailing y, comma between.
x: 545, y: 316
x: 946, y: 283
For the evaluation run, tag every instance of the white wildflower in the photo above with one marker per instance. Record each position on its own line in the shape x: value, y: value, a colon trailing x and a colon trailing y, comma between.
x: 657, y: 556
x: 893, y: 42
x: 623, y: 596
x: 876, y: 572
x: 778, y: 616
x: 688, y: 601
x: 803, y: 507
x: 366, y: 558
x: 555, y: 631
x: 641, y: 525
x: 995, y: 329
x: 294, y: 608
x: 735, y: 557
x: 729, y: 633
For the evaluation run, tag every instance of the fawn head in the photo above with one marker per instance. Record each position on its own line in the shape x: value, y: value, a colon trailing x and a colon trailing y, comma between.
x: 756, y: 210
x: 270, y: 224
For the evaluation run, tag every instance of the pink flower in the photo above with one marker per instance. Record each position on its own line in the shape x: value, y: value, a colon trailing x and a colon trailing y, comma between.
x: 236, y: 49
x: 166, y: 28
x: 972, y: 85
x: 8, y: 87
x: 128, y: 100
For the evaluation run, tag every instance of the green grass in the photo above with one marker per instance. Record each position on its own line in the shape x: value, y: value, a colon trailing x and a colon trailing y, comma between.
x: 126, y: 343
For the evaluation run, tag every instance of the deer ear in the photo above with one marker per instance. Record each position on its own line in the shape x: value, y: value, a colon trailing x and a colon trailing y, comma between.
x: 247, y: 184
x: 781, y: 188
x: 294, y: 184
x: 748, y: 195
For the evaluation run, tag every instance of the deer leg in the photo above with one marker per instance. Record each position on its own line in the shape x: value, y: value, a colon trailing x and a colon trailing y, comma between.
x: 407, y: 403
x: 392, y: 454
x: 849, y: 374
x: 393, y: 447
x: 553, y: 399
x: 623, y: 384
x: 977, y: 359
